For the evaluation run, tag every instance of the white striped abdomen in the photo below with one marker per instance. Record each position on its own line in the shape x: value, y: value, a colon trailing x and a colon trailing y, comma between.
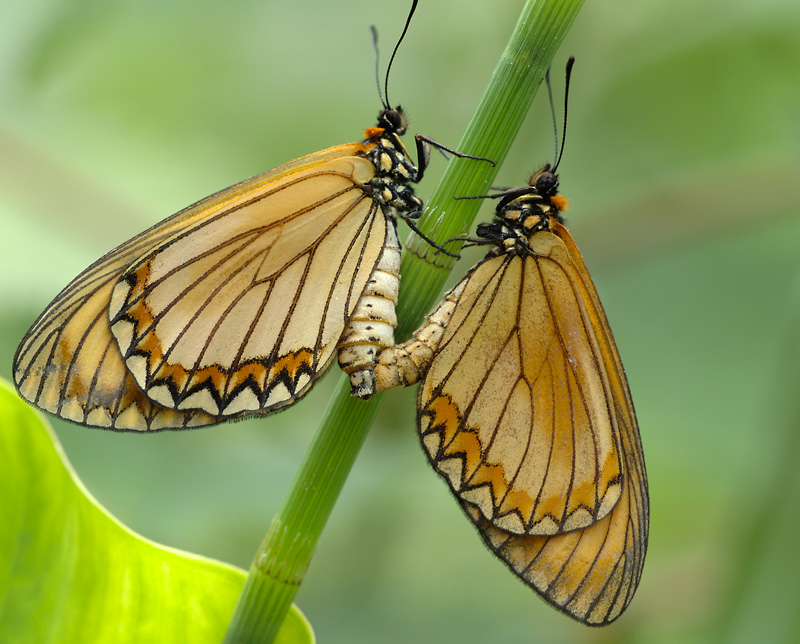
x: 371, y: 327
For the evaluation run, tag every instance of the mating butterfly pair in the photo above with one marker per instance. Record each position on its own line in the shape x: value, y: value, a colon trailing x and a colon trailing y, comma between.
x: 236, y: 305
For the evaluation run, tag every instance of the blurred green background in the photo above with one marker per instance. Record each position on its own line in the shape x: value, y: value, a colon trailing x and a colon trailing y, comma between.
x: 681, y: 164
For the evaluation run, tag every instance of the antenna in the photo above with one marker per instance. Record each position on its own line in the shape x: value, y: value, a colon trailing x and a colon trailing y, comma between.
x: 570, y: 63
x: 552, y: 114
x: 377, y: 65
x: 396, y: 47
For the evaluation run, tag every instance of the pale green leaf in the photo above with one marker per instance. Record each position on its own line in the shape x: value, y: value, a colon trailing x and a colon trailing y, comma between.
x: 70, y: 572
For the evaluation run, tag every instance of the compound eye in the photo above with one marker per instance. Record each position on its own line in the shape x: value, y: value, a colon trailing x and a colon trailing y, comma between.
x: 394, y: 120
x: 546, y: 183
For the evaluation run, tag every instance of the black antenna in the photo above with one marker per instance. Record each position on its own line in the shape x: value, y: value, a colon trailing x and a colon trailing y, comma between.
x: 570, y: 63
x: 377, y: 65
x: 552, y: 114
x: 396, y: 47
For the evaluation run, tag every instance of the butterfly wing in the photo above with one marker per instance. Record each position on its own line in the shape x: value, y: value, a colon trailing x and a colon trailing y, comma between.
x: 69, y: 363
x: 590, y: 574
x: 526, y: 412
x: 514, y: 409
x: 272, y: 239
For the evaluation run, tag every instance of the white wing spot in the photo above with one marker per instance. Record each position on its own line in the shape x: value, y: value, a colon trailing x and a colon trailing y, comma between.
x: 510, y: 523
x: 131, y: 418
x: 453, y: 468
x: 118, y: 297
x: 99, y: 417
x: 480, y: 496
x: 72, y: 410
x: 432, y: 442
x: 245, y: 400
x: 610, y: 499
x: 161, y: 394
x: 302, y: 381
x: 137, y: 365
x: 278, y: 394
x: 123, y: 332
x: 545, y: 526
x: 578, y: 519
x: 201, y: 399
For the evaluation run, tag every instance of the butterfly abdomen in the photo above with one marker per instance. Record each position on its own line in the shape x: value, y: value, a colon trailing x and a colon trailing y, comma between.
x: 371, y: 327
x: 404, y: 364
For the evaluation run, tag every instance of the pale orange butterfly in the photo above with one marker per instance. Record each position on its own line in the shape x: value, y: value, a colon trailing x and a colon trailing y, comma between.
x: 237, y: 304
x: 524, y: 409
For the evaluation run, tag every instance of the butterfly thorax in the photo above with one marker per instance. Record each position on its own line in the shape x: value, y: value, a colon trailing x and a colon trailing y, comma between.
x: 523, y: 213
x: 394, y: 170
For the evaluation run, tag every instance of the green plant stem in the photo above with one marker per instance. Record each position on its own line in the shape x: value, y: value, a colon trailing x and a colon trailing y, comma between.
x: 283, y: 558
x: 281, y: 562
x: 539, y: 32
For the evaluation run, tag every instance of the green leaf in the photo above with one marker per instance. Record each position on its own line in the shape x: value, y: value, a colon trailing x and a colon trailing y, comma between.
x: 70, y: 572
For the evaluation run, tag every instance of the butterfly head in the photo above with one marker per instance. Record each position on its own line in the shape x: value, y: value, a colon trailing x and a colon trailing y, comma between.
x: 544, y: 182
x: 393, y: 120
x: 392, y: 124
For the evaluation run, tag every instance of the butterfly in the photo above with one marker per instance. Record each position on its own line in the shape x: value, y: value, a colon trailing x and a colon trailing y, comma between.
x: 524, y: 410
x: 237, y: 304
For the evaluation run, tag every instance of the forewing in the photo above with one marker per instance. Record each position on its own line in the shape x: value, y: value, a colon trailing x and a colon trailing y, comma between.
x: 69, y: 364
x: 515, y: 409
x: 243, y: 312
x: 593, y: 572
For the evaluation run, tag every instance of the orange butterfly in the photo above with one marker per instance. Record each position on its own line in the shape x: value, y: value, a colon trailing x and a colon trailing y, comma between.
x: 524, y: 410
x: 237, y: 304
